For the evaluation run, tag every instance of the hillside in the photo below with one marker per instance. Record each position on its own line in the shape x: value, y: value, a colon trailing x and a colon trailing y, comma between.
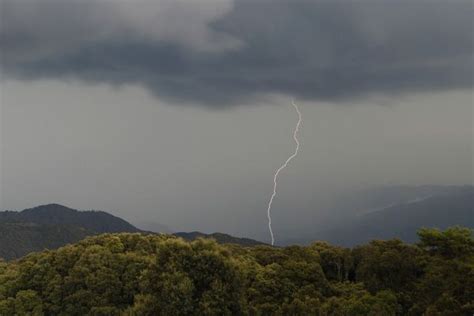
x: 53, y: 225
x: 404, y: 219
x: 19, y: 239
x: 55, y: 214
x: 372, y: 199
x: 137, y: 274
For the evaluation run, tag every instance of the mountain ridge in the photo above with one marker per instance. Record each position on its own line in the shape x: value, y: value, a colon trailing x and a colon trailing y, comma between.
x: 401, y: 220
x: 51, y: 226
x: 50, y: 214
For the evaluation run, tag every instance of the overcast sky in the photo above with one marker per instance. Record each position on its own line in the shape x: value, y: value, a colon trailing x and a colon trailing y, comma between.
x: 179, y: 111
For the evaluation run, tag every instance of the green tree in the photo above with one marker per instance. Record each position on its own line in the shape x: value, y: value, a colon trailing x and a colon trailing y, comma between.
x: 336, y: 262
x: 145, y: 274
x: 455, y: 242
x: 28, y: 302
x: 388, y: 264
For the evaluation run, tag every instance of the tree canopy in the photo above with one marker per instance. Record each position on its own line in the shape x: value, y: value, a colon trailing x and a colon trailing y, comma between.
x: 137, y: 274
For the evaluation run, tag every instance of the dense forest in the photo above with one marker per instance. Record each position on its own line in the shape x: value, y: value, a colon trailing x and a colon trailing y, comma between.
x: 137, y: 274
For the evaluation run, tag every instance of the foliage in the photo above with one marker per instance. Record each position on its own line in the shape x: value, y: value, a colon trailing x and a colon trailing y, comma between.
x: 137, y: 274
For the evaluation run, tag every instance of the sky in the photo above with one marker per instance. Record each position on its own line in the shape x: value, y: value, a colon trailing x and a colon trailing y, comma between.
x: 179, y: 112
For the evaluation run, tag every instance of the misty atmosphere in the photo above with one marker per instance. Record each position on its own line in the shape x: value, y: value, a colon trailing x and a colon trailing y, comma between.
x: 172, y: 116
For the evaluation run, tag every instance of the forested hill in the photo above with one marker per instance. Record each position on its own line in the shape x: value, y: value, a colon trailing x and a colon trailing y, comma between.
x: 53, y: 225
x: 137, y: 274
x: 55, y: 214
x: 18, y: 239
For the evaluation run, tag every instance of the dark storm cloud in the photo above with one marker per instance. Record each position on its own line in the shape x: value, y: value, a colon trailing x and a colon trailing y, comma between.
x: 307, y: 49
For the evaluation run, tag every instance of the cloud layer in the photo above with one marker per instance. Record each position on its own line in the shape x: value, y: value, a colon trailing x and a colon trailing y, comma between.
x: 222, y: 52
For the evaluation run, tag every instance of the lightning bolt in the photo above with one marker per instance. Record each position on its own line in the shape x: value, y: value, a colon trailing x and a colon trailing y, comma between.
x: 275, y: 177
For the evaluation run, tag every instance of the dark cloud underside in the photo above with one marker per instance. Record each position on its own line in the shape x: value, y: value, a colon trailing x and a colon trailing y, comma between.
x: 307, y: 49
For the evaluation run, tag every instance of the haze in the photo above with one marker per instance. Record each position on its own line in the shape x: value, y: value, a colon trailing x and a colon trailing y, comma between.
x: 180, y: 114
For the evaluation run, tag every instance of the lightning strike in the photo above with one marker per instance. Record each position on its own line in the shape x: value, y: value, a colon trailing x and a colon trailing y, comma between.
x: 275, y: 177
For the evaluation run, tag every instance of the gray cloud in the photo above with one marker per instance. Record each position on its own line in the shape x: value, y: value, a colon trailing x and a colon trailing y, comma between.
x: 219, y: 55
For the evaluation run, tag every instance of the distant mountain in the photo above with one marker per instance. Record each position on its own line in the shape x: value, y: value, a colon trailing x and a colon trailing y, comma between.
x: 372, y: 199
x: 392, y: 212
x: 55, y: 214
x: 19, y: 239
x: 220, y: 238
x: 450, y: 208
x: 52, y: 226
x: 343, y: 208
